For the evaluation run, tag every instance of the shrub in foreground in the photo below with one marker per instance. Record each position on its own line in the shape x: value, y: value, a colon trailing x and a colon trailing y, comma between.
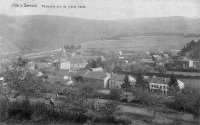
x: 40, y: 112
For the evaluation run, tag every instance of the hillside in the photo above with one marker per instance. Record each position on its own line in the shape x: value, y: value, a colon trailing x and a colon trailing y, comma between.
x: 191, y: 49
x: 30, y: 33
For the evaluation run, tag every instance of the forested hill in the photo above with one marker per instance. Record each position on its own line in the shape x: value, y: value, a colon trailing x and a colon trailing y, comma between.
x: 29, y: 33
x: 191, y: 49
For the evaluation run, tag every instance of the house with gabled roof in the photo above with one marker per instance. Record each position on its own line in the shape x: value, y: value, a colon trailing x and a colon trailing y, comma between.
x: 31, y: 65
x: 97, y: 79
x: 72, y: 63
x: 184, y: 63
x: 78, y: 76
x: 116, y: 80
x: 161, y: 84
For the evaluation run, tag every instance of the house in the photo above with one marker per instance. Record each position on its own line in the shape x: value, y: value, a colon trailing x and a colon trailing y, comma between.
x: 116, y: 80
x: 161, y: 84
x: 102, y: 58
x: 120, y: 57
x: 147, y: 61
x: 72, y: 63
x: 97, y: 69
x: 64, y: 64
x: 157, y: 57
x: 120, y: 53
x: 158, y: 84
x: 31, y: 65
x: 166, y: 57
x: 174, y: 52
x: 49, y: 74
x: 66, y: 76
x: 78, y: 76
x: 97, y: 79
x: 184, y: 63
x: 38, y: 66
x: 37, y: 73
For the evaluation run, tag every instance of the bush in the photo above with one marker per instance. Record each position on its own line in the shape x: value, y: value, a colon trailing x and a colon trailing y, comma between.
x: 115, y: 94
x: 41, y: 112
x: 101, y: 96
x: 19, y: 110
x: 188, y: 100
x: 3, y: 105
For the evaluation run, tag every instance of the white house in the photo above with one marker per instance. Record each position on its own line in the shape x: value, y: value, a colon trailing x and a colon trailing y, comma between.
x: 72, y: 63
x: 120, y: 53
x: 64, y: 64
x: 116, y: 80
x: 97, y: 69
x: 161, y: 83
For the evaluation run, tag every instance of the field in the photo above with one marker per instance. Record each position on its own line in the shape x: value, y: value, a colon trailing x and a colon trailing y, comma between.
x: 192, y: 82
x: 141, y: 43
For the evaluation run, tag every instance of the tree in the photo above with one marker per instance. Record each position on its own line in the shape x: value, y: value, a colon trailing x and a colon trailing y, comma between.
x: 6, y: 93
x: 188, y: 100
x: 154, y: 100
x: 173, y: 84
x: 91, y: 64
x: 173, y: 81
x: 137, y: 68
x: 105, y: 110
x: 140, y: 82
x: 140, y: 94
x: 115, y: 94
x: 88, y: 91
x: 126, y: 84
x: 161, y: 69
x: 22, y: 80
x: 77, y: 100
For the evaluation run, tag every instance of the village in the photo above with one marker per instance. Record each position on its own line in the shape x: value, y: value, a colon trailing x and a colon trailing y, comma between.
x: 108, y: 71
x: 87, y: 62
x: 124, y: 76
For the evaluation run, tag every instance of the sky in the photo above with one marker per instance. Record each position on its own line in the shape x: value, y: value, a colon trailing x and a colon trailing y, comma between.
x: 105, y: 9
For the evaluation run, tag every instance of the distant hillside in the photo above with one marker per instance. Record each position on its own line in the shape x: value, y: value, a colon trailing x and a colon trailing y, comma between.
x: 191, y: 49
x: 30, y: 33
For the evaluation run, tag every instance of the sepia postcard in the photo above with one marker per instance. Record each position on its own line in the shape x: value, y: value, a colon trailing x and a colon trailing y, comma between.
x: 91, y: 62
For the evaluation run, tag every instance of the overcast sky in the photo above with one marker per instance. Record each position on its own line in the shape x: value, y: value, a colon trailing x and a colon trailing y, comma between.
x: 107, y: 9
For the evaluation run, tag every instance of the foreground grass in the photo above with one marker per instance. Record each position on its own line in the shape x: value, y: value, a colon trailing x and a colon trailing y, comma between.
x: 163, y: 116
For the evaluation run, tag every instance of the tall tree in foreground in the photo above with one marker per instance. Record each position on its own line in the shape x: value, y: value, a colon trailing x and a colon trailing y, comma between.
x: 188, y: 100
x: 140, y: 81
x: 154, y: 101
x: 126, y: 84
x: 173, y: 84
x: 22, y: 80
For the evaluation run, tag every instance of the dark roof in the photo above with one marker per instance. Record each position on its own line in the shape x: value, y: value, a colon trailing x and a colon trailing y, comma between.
x: 96, y: 75
x: 194, y: 74
x: 48, y: 70
x: 62, y: 72
x: 71, y: 74
x: 117, y: 77
x: 160, y: 80
x: 81, y: 73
